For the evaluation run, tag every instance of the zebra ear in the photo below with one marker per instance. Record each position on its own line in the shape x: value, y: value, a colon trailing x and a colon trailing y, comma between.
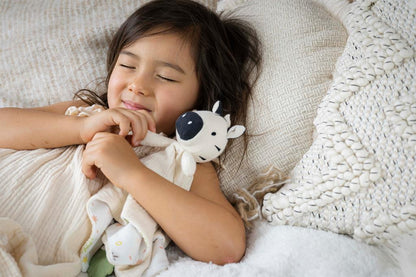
x: 228, y: 120
x: 235, y: 131
x: 217, y: 108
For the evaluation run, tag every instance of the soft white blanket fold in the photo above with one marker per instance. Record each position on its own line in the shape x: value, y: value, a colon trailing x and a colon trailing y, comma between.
x: 45, y: 199
x: 42, y: 206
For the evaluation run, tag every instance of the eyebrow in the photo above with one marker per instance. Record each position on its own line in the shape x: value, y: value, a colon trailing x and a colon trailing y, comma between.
x: 158, y: 62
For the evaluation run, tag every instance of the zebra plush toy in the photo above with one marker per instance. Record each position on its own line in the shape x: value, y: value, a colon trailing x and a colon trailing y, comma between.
x: 201, y: 136
x: 204, y: 134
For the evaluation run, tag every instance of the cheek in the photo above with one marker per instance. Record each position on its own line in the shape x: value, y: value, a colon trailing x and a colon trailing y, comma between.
x: 170, y: 109
x: 115, y: 87
x: 177, y: 102
x: 194, y: 93
x: 167, y: 113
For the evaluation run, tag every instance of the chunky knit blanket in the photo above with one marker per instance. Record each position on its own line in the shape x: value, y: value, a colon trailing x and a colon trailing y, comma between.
x: 359, y: 176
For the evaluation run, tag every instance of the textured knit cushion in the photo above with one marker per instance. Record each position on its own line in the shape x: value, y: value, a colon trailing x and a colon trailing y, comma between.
x: 359, y: 176
x: 301, y: 44
x: 50, y: 49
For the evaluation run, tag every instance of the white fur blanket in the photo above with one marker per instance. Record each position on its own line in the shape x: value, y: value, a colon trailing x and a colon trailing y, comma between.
x: 293, y: 251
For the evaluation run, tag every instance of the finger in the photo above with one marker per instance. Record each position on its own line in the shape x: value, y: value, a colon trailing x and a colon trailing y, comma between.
x: 131, y: 122
x: 124, y: 124
x: 134, y: 115
x: 140, y: 122
x: 148, y: 123
x: 88, y: 167
x: 90, y: 171
x: 120, y: 122
x: 139, y: 130
x: 135, y: 124
x: 151, y: 124
x: 88, y: 163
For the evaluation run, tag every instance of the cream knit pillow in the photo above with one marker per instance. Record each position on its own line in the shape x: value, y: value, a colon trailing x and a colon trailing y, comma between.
x: 359, y: 177
x: 50, y: 49
x: 301, y: 43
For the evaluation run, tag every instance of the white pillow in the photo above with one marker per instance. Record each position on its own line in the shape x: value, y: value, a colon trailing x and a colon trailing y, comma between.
x: 51, y: 49
x: 358, y: 178
x: 301, y: 43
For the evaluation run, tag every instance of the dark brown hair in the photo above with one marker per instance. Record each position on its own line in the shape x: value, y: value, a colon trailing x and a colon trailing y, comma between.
x: 226, y: 51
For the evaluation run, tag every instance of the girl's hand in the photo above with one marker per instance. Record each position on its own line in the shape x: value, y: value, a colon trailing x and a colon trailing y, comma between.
x: 126, y: 120
x: 113, y: 155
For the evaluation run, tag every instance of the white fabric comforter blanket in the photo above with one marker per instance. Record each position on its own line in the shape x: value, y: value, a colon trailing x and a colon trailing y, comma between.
x: 43, y: 225
x: 43, y: 200
x: 43, y: 213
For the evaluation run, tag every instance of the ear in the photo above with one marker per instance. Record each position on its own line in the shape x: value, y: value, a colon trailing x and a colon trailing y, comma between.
x: 235, y: 131
x: 217, y: 108
x: 228, y: 120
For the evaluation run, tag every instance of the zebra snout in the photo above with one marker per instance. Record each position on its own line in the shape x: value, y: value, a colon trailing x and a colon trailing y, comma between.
x: 188, y: 125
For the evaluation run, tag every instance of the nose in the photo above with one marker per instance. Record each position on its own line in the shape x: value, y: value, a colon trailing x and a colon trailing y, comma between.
x: 138, y: 86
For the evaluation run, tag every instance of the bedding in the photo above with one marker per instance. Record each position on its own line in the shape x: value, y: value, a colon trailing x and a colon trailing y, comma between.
x: 48, y: 217
x: 50, y: 51
x: 53, y: 218
x: 358, y: 177
x: 293, y: 251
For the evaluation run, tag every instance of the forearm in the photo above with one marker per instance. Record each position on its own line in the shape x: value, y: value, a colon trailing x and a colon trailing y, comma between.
x: 205, y: 230
x: 31, y: 129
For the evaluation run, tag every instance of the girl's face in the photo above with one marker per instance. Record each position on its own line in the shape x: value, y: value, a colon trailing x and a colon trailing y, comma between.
x: 157, y: 74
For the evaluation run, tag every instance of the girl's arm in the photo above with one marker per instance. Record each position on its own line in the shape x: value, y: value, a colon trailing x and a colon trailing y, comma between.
x: 43, y: 127
x: 48, y: 127
x: 201, y: 221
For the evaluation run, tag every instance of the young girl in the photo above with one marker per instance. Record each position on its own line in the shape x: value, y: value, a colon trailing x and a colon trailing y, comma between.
x: 167, y: 57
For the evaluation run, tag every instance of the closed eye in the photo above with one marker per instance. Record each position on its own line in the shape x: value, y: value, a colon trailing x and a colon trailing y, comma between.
x: 166, y: 79
x: 127, y: 66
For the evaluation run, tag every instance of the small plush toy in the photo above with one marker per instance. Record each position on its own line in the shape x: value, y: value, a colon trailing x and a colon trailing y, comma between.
x: 201, y: 136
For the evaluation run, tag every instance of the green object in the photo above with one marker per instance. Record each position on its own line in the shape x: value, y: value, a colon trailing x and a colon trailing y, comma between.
x: 99, y: 266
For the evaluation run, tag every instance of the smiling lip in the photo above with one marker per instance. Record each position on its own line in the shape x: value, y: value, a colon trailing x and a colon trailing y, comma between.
x: 134, y: 106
